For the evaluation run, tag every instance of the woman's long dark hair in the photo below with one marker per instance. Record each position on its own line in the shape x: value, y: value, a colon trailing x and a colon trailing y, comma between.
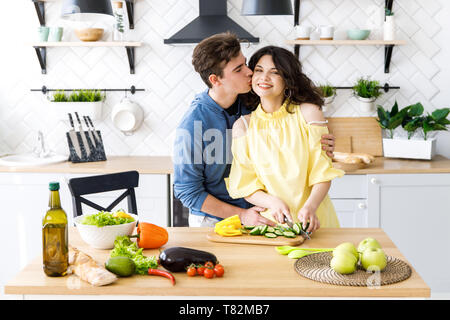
x: 299, y: 88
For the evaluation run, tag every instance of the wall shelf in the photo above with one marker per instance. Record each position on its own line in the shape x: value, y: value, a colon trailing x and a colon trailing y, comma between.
x: 40, y: 10
x: 41, y: 50
x: 388, y: 45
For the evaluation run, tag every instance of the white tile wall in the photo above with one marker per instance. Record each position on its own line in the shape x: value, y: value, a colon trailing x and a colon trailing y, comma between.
x: 165, y: 71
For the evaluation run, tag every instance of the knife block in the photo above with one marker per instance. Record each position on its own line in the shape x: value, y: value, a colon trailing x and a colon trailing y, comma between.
x: 97, y: 152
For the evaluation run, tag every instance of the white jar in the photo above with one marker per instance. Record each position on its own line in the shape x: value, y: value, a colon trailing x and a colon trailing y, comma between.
x: 389, y: 28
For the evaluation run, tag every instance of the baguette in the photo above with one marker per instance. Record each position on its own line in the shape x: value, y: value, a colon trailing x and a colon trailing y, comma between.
x: 87, y: 269
x: 346, y: 157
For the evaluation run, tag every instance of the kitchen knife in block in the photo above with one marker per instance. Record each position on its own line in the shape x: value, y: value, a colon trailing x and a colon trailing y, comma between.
x: 92, y: 125
x: 91, y: 135
x: 87, y: 148
x: 74, y: 138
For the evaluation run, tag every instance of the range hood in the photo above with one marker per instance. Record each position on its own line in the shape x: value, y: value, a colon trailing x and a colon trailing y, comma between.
x: 212, y: 19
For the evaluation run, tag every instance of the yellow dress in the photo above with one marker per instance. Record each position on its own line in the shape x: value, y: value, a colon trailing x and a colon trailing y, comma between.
x: 282, y: 155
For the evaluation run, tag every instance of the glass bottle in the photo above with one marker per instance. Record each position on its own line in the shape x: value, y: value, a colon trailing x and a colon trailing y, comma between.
x: 55, y: 246
x: 119, y: 28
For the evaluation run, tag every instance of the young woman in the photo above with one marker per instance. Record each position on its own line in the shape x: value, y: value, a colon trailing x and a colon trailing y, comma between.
x: 278, y: 161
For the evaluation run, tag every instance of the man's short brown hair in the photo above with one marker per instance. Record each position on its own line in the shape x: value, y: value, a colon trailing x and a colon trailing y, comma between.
x: 212, y: 54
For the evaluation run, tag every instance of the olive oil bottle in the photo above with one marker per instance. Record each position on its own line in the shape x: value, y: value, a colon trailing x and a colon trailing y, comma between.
x: 55, y: 247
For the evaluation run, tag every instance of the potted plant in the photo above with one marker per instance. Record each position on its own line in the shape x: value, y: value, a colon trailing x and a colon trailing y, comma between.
x: 389, y: 25
x: 412, y: 120
x: 328, y: 93
x: 366, y: 91
x: 85, y: 102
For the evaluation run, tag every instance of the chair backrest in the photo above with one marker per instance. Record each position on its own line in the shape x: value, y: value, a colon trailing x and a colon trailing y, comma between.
x: 104, y: 183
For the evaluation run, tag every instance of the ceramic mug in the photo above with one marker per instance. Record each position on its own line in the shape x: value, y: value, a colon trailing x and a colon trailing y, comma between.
x: 43, y: 33
x: 127, y: 116
x: 326, y: 32
x: 303, y: 32
x: 55, y: 34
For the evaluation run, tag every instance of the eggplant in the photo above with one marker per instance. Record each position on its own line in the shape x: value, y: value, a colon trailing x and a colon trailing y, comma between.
x: 176, y: 259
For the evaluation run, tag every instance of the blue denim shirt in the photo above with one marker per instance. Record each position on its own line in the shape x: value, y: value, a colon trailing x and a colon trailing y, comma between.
x: 202, y: 154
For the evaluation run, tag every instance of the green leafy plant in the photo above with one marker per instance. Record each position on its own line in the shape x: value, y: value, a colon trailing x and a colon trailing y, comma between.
x: 390, y: 120
x: 60, y: 96
x: 413, y: 119
x: 366, y: 88
x: 436, y: 121
x: 327, y: 90
x: 79, y: 96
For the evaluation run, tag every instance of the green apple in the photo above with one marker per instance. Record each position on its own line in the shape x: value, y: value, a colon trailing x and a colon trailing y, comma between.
x: 347, y: 246
x: 368, y: 243
x: 373, y: 259
x: 343, y: 262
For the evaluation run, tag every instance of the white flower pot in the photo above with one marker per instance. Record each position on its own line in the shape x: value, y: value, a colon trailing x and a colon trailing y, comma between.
x: 389, y: 28
x: 409, y: 149
x: 328, y: 103
x: 91, y: 109
x: 366, y: 105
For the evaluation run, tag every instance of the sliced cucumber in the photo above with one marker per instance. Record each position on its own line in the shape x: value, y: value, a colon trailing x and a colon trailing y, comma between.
x: 255, y: 231
x: 270, y: 229
x: 278, y: 232
x: 289, y: 234
x: 297, y: 228
x: 249, y: 227
x: 270, y: 235
x: 264, y: 229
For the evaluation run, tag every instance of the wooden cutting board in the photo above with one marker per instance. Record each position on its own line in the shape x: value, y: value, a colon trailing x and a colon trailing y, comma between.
x: 357, y: 135
x: 248, y: 239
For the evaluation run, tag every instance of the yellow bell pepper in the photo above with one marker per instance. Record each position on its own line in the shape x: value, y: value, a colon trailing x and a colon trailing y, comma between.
x: 229, y: 227
x: 121, y: 214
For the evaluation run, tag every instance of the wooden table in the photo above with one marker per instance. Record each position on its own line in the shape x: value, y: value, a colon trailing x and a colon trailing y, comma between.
x: 250, y: 270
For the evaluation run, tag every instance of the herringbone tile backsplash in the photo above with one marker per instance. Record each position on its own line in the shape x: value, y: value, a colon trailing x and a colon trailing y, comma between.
x: 165, y: 71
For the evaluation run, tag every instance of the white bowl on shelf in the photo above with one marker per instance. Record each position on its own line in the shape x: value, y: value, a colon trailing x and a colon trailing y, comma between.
x: 103, y: 237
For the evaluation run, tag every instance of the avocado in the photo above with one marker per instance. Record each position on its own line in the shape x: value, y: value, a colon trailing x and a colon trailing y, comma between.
x: 121, y: 266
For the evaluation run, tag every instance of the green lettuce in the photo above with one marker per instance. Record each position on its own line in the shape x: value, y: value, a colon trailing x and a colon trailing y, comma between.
x: 104, y: 218
x: 124, y: 247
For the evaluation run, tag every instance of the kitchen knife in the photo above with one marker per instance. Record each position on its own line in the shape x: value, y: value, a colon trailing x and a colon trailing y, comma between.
x: 288, y: 222
x: 83, y: 136
x: 95, y: 131
x: 90, y: 134
x: 73, y: 137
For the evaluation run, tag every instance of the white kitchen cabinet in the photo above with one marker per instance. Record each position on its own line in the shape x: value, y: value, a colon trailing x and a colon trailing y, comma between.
x: 349, y: 197
x: 414, y: 211
x: 25, y: 201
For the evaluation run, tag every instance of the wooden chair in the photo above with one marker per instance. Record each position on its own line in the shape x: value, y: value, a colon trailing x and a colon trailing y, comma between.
x: 104, y: 183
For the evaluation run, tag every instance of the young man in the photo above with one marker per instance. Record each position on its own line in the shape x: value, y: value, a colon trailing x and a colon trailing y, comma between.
x: 202, y: 150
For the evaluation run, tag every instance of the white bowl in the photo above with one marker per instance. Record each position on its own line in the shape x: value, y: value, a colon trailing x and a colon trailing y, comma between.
x: 103, y: 237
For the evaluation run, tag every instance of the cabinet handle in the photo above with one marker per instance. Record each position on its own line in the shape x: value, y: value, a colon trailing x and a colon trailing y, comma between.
x: 374, y: 181
x: 362, y: 205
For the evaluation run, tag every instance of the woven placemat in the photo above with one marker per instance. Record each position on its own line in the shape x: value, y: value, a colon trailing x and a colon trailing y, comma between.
x: 317, y: 267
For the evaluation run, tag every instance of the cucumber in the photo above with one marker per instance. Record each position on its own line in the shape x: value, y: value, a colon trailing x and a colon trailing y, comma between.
x: 297, y: 228
x: 270, y: 235
x: 271, y: 229
x: 278, y: 232
x: 249, y: 227
x: 289, y: 234
x: 255, y: 231
x: 264, y: 229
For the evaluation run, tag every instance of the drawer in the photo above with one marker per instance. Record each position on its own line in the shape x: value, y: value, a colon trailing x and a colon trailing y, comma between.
x: 349, y: 187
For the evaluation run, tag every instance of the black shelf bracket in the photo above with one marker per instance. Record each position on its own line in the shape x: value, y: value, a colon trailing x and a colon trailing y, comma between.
x: 40, y: 10
x: 41, y: 53
x: 131, y: 60
x: 130, y: 12
x: 387, y: 57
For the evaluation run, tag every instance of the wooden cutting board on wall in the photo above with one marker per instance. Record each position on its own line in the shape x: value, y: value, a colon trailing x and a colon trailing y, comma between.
x: 362, y: 134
